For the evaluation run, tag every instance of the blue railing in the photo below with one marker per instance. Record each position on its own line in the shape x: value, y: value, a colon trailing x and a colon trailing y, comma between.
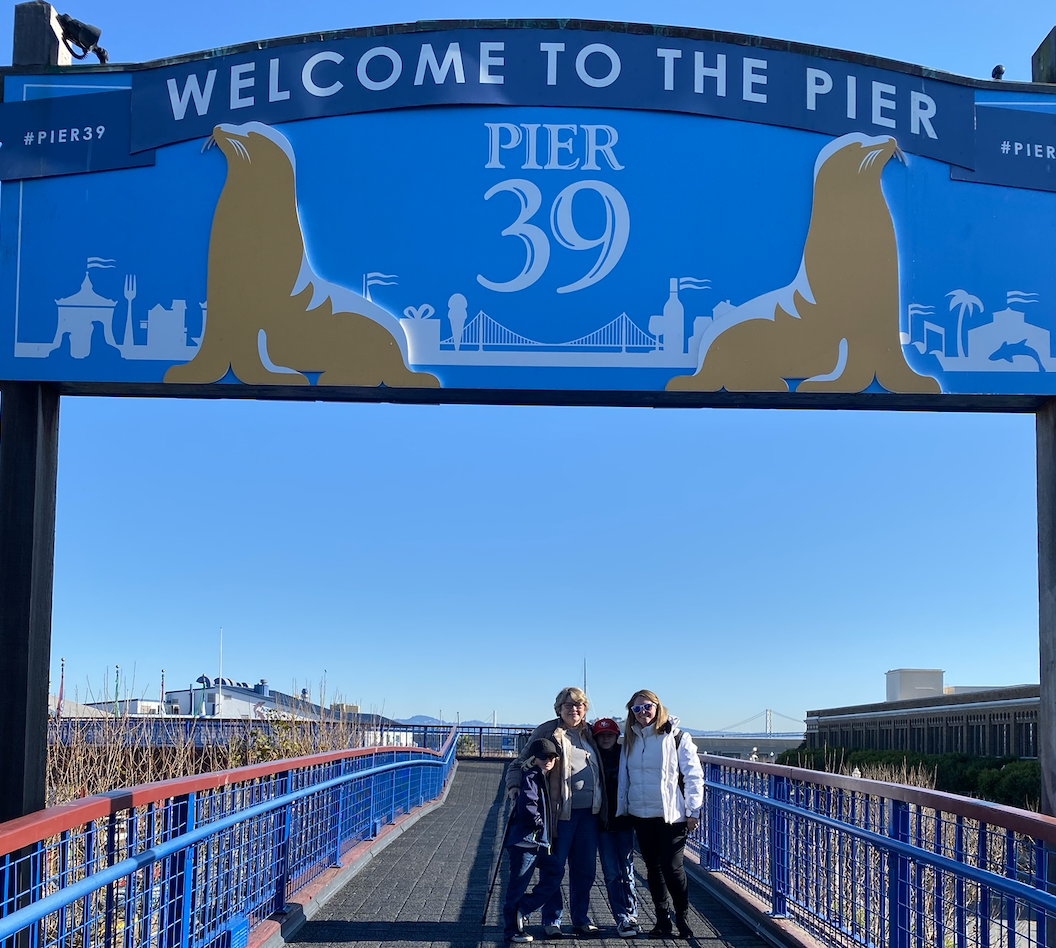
x: 859, y: 862
x: 200, y: 861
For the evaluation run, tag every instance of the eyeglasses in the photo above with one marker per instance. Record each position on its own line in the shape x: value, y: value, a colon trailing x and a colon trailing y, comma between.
x: 639, y: 708
x: 571, y: 705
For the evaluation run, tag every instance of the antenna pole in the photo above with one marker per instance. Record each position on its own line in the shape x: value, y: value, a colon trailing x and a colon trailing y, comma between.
x: 220, y: 678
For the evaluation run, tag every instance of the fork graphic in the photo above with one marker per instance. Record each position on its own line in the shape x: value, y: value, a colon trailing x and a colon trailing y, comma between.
x: 130, y: 294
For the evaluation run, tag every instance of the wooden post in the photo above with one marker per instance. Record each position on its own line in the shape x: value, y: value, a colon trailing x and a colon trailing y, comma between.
x: 29, y: 442
x: 1043, y: 69
x: 1046, y: 440
x: 1043, y: 62
x: 1046, y: 449
x: 38, y: 36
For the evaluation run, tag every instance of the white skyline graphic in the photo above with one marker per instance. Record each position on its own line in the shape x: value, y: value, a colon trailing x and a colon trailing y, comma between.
x: 166, y: 329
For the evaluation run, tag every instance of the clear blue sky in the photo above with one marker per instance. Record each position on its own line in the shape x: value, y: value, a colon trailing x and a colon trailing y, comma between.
x: 468, y: 558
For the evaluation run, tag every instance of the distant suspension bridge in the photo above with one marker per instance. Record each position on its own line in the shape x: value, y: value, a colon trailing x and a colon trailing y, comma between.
x: 768, y: 714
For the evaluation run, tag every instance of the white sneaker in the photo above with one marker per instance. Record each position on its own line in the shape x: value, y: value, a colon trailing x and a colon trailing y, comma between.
x: 628, y: 929
x: 521, y: 937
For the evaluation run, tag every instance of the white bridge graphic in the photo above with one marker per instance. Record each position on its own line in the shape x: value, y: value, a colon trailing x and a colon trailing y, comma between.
x: 621, y: 334
x: 483, y: 340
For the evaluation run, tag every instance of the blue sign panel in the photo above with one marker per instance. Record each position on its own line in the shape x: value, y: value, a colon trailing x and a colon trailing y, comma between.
x: 67, y: 135
x: 1014, y: 147
x: 589, y: 211
x: 544, y: 68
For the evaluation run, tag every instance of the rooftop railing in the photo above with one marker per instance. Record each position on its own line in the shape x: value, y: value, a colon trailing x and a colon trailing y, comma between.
x: 200, y: 861
x: 859, y: 862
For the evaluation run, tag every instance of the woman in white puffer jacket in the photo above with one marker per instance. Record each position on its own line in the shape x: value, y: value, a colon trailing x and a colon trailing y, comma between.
x: 655, y: 753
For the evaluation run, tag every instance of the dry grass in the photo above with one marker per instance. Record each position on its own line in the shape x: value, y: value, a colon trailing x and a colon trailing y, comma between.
x: 916, y: 776
x: 95, y: 755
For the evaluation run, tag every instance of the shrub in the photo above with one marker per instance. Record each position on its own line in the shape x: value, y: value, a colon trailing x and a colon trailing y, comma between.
x: 1006, y: 780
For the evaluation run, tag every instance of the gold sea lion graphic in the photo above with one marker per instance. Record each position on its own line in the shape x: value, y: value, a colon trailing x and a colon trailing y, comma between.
x: 836, y: 326
x: 270, y: 318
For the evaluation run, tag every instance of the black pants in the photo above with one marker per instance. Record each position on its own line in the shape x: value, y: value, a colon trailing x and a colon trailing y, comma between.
x: 662, y: 846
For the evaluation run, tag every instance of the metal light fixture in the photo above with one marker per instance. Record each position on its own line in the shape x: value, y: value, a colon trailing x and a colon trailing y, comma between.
x: 82, y: 35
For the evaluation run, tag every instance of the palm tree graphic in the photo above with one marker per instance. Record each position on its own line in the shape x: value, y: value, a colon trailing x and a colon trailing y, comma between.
x: 965, y: 302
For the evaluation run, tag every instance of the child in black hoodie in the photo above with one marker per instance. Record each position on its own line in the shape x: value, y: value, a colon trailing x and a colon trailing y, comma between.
x: 616, y: 836
x: 530, y: 834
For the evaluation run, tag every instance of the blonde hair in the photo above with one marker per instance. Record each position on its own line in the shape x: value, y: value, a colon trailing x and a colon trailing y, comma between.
x: 659, y: 722
x: 571, y: 694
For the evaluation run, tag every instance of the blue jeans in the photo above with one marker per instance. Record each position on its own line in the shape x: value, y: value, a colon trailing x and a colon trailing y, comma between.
x: 576, y: 845
x: 522, y: 863
x: 616, y: 850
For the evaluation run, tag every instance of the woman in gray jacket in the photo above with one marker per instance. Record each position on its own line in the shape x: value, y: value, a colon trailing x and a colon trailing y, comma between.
x: 663, y: 809
x: 577, y: 794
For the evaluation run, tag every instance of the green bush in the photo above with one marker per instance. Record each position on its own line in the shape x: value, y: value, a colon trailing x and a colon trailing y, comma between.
x: 1006, y: 780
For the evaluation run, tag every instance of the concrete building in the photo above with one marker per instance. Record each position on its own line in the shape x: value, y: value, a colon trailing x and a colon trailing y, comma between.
x: 991, y: 722
x: 904, y: 684
x: 228, y: 700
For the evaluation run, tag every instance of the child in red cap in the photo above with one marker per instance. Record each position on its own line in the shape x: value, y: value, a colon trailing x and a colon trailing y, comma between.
x: 616, y: 836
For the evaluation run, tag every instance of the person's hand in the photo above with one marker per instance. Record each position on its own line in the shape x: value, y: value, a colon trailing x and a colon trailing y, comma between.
x: 692, y: 822
x: 513, y: 793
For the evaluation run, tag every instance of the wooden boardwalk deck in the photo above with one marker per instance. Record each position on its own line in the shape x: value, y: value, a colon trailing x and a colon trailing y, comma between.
x: 427, y: 888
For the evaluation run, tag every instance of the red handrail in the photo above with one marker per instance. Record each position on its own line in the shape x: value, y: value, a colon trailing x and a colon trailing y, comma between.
x: 21, y: 832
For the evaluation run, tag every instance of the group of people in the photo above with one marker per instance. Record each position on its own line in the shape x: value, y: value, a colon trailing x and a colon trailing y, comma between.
x: 583, y: 791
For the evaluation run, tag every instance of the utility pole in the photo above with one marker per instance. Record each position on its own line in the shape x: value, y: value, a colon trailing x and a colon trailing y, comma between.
x: 1043, y: 69
x: 29, y: 453
x: 29, y: 442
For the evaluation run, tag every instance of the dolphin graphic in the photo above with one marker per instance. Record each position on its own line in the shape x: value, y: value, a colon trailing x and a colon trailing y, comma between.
x: 1009, y: 350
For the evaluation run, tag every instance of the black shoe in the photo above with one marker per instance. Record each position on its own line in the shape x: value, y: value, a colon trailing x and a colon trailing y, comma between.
x: 590, y: 930
x: 682, y: 924
x: 662, y: 929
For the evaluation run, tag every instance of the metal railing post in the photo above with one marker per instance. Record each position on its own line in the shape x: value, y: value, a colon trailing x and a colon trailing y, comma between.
x: 339, y: 817
x: 281, y: 852
x: 960, y: 920
x: 983, y: 907
x: 111, y: 854
x: 131, y: 846
x: 714, y: 817
x: 186, y: 864
x: 1010, y: 871
x: 778, y: 848
x: 178, y: 886
x: 898, y: 878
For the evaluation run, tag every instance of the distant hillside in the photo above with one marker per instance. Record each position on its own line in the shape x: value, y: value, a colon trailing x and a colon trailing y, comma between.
x: 422, y: 720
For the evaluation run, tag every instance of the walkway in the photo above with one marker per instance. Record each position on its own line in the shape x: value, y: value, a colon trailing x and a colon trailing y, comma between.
x: 427, y: 889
